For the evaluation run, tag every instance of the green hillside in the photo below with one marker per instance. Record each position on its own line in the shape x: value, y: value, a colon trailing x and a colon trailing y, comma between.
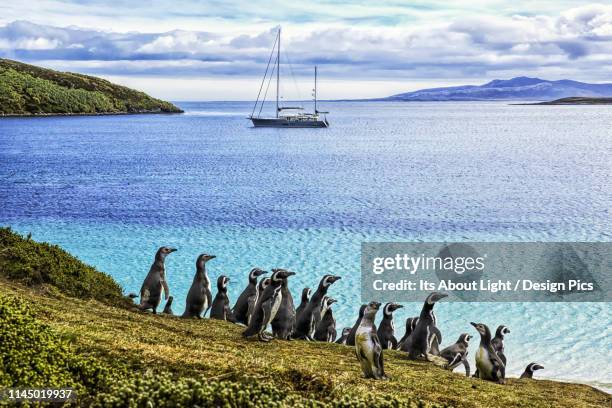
x: 58, y: 328
x: 31, y: 90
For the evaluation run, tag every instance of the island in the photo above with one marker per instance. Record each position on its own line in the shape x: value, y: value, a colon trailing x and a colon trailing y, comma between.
x: 28, y: 90
x: 65, y: 324
x: 576, y: 100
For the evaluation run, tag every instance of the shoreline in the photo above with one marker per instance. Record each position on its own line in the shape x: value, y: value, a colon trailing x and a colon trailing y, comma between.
x: 44, y: 115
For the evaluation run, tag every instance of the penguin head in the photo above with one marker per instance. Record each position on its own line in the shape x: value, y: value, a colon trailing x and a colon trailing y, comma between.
x: 328, y: 280
x: 164, y: 251
x: 222, y: 282
x: 305, y: 294
x: 371, y: 309
x: 464, y: 338
x: 255, y: 273
x: 203, y: 258
x: 390, y: 308
x: 534, y: 366
x: 346, y: 331
x: 434, y: 297
x: 263, y: 283
x: 502, y: 331
x: 329, y: 301
x: 482, y: 328
x: 278, y: 275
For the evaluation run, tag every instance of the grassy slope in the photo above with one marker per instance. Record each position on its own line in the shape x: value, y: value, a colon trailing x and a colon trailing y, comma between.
x: 28, y: 89
x: 210, y: 349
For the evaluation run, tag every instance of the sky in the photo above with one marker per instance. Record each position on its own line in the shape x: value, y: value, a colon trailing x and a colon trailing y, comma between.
x: 218, y: 50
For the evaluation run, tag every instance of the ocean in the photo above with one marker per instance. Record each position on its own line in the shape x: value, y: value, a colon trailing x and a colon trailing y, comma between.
x: 111, y: 189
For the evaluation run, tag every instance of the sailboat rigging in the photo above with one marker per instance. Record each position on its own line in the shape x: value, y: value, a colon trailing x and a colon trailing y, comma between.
x: 294, y: 117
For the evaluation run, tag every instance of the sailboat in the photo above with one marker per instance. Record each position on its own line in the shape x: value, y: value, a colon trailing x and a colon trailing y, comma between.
x: 286, y: 116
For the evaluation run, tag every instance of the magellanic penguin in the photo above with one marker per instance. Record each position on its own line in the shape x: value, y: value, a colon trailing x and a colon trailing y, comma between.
x: 367, y: 345
x: 168, y: 307
x: 350, y: 339
x: 307, y: 321
x: 199, y: 297
x: 241, y: 307
x: 283, y: 323
x: 498, y: 342
x: 488, y: 364
x: 386, y: 328
x: 268, y: 303
x: 531, y: 367
x: 425, y: 338
x: 155, y: 282
x: 263, y: 283
x: 221, y: 305
x: 410, y: 325
x: 304, y: 301
x: 343, y: 336
x: 326, y: 329
x: 457, y: 353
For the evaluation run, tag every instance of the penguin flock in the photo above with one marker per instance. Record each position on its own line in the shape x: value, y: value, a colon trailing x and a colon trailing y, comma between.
x: 267, y: 302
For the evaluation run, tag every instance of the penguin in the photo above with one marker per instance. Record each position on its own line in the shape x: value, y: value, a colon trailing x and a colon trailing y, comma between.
x: 425, y: 338
x: 498, y: 342
x: 283, y: 323
x: 457, y: 353
x: 410, y: 325
x: 168, y: 307
x: 305, y: 297
x: 268, y: 303
x: 199, y: 297
x: 155, y: 282
x: 531, y: 367
x: 220, y: 306
x: 326, y: 329
x: 350, y: 339
x: 367, y: 345
x: 252, y: 300
x: 241, y: 307
x: 488, y: 364
x: 386, y: 328
x: 344, y: 336
x: 311, y: 315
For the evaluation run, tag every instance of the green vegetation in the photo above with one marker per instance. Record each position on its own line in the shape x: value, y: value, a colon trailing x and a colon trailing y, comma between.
x: 33, y: 263
x: 30, y: 90
x: 141, y: 359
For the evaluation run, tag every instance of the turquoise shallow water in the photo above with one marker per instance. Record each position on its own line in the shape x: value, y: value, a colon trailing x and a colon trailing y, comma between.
x: 112, y: 189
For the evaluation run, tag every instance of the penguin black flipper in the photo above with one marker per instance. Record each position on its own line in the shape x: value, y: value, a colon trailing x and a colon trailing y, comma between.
x: 377, y: 350
x: 266, y: 309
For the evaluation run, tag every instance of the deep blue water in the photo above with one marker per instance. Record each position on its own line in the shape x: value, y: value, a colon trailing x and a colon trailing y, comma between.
x: 112, y: 189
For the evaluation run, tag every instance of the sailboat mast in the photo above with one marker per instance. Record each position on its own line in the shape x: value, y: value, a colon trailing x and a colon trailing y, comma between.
x: 278, y: 70
x: 315, y: 91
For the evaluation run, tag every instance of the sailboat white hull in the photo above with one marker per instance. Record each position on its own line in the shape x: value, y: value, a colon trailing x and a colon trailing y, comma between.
x: 289, y: 122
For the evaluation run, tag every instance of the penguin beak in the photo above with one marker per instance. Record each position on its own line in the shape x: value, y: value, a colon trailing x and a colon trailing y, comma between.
x: 331, y: 301
x: 538, y: 367
x: 260, y: 272
x: 335, y: 278
x: 209, y: 257
x: 172, y: 250
x: 395, y: 306
x: 474, y: 324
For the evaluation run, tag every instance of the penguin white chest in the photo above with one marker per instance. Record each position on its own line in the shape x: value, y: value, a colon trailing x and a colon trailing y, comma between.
x: 276, y: 305
x: 483, y: 361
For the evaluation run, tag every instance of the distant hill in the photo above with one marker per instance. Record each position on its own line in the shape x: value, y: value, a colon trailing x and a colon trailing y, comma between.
x: 519, y: 88
x: 31, y: 90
